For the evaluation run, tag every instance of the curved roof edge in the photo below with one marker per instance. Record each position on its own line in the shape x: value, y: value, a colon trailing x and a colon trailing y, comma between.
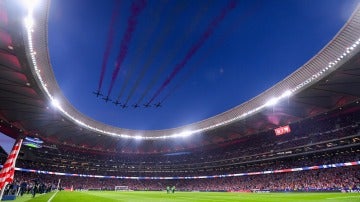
x: 336, y: 52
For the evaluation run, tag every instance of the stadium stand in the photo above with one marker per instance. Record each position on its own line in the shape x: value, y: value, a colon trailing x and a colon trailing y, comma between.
x: 309, y: 137
x: 318, y: 140
x: 335, y: 179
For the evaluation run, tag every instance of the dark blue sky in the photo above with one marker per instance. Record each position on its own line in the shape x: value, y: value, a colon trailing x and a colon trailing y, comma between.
x: 195, y: 57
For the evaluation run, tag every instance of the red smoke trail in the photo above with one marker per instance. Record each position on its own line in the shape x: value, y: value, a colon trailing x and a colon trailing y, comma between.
x: 196, y: 47
x: 249, y: 13
x: 177, y: 47
x: 158, y: 45
x: 136, y: 8
x: 140, y: 49
x: 109, y: 42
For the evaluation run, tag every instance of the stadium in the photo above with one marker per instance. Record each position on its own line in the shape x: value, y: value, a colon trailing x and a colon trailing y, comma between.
x: 297, y: 140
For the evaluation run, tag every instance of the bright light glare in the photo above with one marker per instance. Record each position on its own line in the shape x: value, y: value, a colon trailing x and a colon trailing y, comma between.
x: 272, y: 102
x: 30, y: 4
x: 55, y: 103
x: 286, y: 93
x: 29, y: 22
x: 185, y: 133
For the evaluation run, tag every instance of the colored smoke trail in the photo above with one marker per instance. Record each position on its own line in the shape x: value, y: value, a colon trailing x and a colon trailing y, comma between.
x: 175, y: 51
x: 249, y: 13
x: 136, y: 8
x: 196, y: 47
x: 140, y: 50
x: 109, y: 42
x: 156, y: 48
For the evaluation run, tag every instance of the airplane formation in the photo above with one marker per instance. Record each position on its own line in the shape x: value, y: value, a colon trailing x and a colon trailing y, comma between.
x: 107, y: 99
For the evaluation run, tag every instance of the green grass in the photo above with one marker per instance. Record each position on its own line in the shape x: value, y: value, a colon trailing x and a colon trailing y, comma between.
x: 107, y: 196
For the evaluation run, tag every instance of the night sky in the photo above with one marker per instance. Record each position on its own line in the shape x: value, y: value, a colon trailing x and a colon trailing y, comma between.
x: 196, y: 58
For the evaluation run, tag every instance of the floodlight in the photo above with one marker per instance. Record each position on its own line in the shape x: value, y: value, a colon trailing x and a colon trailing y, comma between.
x: 55, y: 103
x: 185, y: 134
x: 286, y: 93
x: 29, y: 22
x: 272, y: 102
x: 30, y: 4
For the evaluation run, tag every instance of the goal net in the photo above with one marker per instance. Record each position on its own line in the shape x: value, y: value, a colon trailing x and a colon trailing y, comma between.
x: 121, y: 188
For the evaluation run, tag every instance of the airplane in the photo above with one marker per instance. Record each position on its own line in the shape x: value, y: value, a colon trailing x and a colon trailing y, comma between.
x: 107, y: 99
x: 116, y: 103
x: 158, y: 104
x: 97, y: 93
x: 123, y: 106
x: 147, y: 105
x: 136, y: 106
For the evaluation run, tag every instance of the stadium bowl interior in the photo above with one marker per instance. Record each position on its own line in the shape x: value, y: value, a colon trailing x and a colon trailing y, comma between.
x: 304, y: 128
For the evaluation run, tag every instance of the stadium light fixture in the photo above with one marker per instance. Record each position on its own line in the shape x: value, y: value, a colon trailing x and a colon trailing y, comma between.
x: 29, y: 22
x: 138, y: 137
x: 272, y: 102
x: 55, y: 103
x: 286, y: 94
x: 30, y: 4
x: 185, y: 133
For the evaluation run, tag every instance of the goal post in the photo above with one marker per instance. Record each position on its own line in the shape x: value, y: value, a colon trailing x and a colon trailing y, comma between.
x: 122, y: 188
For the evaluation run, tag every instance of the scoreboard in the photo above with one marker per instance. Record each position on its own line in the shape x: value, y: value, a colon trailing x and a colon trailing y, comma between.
x: 282, y: 130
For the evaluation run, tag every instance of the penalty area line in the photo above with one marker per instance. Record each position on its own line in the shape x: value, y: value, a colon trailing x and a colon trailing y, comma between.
x: 51, y: 198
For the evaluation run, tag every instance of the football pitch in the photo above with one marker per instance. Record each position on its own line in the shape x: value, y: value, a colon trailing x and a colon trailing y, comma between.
x: 137, y: 196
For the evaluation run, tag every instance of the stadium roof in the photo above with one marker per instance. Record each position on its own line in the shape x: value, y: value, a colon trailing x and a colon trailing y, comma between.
x: 33, y: 104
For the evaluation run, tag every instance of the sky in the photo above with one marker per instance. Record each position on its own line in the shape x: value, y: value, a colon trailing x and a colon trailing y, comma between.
x: 6, y: 142
x: 195, y: 58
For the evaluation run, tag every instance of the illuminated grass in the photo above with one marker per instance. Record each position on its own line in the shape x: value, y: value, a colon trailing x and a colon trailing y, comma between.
x: 107, y: 196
